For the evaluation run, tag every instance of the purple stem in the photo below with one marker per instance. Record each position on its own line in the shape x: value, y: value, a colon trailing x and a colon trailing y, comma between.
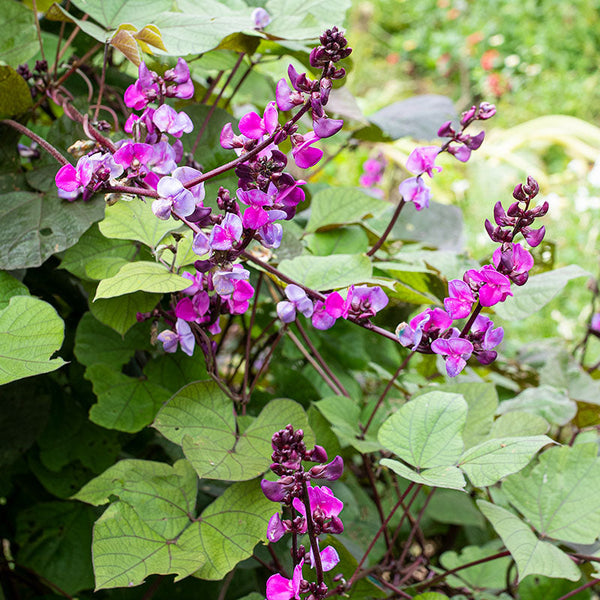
x: 388, y: 229
x: 49, y: 148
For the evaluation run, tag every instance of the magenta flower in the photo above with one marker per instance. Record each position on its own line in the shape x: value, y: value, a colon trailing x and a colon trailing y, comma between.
x: 182, y: 335
x: 173, y: 198
x: 280, y: 588
x: 321, y: 319
x: 256, y: 197
x: 223, y: 236
x: 491, y: 337
x: 297, y: 300
x: 534, y: 237
x: 323, y: 504
x: 197, y: 282
x: 229, y: 140
x: 253, y: 127
x: 238, y: 301
x: 180, y: 74
x: 143, y: 91
x: 275, y: 529
x: 595, y: 323
x: 331, y: 471
x: 493, y: 286
x: 224, y: 281
x: 304, y: 154
x: 461, y: 299
x: 513, y: 261
x: 329, y: 557
x: 416, y: 191
x: 287, y: 98
x: 433, y: 320
x: 193, y: 309
x: 456, y: 351
x: 422, y: 160
x: 135, y: 157
x: 168, y: 120
x: 325, y: 127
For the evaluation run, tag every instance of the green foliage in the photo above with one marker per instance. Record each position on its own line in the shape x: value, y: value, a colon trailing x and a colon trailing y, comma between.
x: 15, y: 98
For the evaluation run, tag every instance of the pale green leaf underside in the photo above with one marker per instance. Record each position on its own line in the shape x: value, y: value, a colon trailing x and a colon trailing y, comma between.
x: 30, y: 332
x: 426, y: 432
x: 559, y: 496
x: 200, y: 418
x: 533, y: 556
x: 490, y: 461
x: 445, y: 477
x: 135, y: 221
x: 142, y: 275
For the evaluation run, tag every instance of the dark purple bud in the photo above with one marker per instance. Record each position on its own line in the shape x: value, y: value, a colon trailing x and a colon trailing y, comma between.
x: 24, y: 72
x: 280, y: 137
x: 334, y: 526
x: 273, y: 490
x: 519, y: 193
x: 203, y: 266
x: 334, y: 469
x: 317, y: 454
x: 325, y: 87
x: 41, y: 66
x: 531, y: 188
x: 486, y: 111
x: 519, y: 278
x: 514, y: 210
x: 468, y: 115
x: 317, y: 107
x: 338, y: 74
x: 500, y: 215
x: 540, y: 210
x: 474, y: 142
x: 486, y: 357
x: 446, y: 130
x: 534, y: 236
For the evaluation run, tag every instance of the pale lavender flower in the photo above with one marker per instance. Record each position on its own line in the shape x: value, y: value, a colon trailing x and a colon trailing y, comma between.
x: 173, y: 198
x: 182, y: 335
x: 260, y: 17
x: 416, y: 191
x: 168, y: 120
x: 297, y: 300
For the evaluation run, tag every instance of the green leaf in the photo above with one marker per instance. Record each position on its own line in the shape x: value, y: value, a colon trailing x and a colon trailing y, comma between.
x: 341, y: 206
x: 135, y: 220
x: 124, y: 403
x: 15, y: 97
x: 454, y: 508
x: 559, y: 496
x: 339, y: 241
x: 231, y: 526
x: 173, y: 370
x: 544, y: 401
x: 328, y: 272
x: 200, y: 418
x: 96, y: 343
x: 111, y: 13
x: 165, y: 496
x: 120, y: 313
x: 444, y: 477
x: 9, y: 287
x: 490, y: 461
x: 533, y: 556
x: 30, y: 333
x: 92, y: 245
x: 55, y: 540
x: 426, y: 432
x: 141, y: 275
x: 36, y: 226
x: 490, y: 574
x: 126, y: 549
x: 419, y: 117
x: 18, y: 42
x: 540, y: 289
x: 518, y: 423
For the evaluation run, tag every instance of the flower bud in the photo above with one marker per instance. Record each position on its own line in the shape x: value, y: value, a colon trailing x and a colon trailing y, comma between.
x: 446, y: 130
x: 468, y: 115
x: 273, y: 490
x: 486, y: 111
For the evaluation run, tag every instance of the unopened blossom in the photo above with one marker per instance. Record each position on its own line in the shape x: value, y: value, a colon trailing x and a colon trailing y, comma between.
x: 325, y: 127
x: 275, y: 529
x: 260, y: 17
x: 415, y: 190
x: 330, y: 471
x: 173, y: 198
x: 456, y: 352
x: 514, y: 261
x: 460, y: 300
x: 182, y: 335
x: 226, y: 234
x: 304, y: 154
x: 287, y: 98
x: 281, y: 588
x: 143, y: 91
x: 297, y: 300
x: 422, y: 160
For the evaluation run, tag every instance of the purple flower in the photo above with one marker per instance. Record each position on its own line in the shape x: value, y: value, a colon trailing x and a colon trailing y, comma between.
x: 432, y: 320
x: 513, y: 261
x: 238, y: 301
x: 304, y: 154
x: 182, y: 335
x: 456, y: 351
x: 224, y: 281
x: 183, y: 88
x: 223, y: 236
x: 253, y: 127
x: 287, y: 98
x: 143, y: 91
x: 493, y: 287
x: 534, y: 237
x: 415, y: 190
x: 462, y: 153
x: 170, y: 121
x: 329, y: 557
x: 323, y: 504
x: 280, y: 588
x: 297, y: 300
x: 422, y: 160
x: 256, y: 197
x: 201, y: 243
x: 135, y: 157
x: 163, y: 159
x: 260, y: 17
x: 461, y: 299
x: 491, y: 337
x: 275, y: 529
x: 275, y: 491
x: 193, y: 309
x: 197, y: 282
x: 325, y: 127
x: 595, y: 323
x: 173, y: 198
x: 366, y: 301
x: 72, y: 179
x: 331, y: 471
x: 321, y: 319
x: 229, y: 140
x: 185, y: 174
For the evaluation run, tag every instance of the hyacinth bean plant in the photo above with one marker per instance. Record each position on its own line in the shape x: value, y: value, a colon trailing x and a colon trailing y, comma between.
x: 180, y: 443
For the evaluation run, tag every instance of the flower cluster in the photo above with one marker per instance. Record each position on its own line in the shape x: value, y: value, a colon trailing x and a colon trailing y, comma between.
x: 361, y: 302
x: 307, y: 509
x: 432, y: 331
x: 460, y: 144
x: 266, y: 195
